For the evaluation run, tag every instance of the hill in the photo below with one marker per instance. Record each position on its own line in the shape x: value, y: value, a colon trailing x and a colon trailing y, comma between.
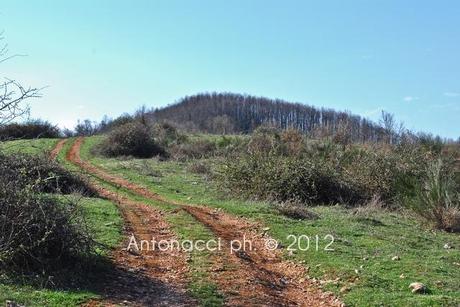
x: 236, y: 113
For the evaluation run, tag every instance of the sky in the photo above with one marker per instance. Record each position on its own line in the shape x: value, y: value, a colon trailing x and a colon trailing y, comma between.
x: 109, y: 57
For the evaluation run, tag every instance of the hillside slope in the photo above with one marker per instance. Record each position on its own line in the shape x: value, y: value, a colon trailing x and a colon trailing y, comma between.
x: 235, y: 113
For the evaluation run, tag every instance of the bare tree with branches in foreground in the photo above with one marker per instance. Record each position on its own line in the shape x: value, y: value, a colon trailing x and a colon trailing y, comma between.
x: 12, y: 94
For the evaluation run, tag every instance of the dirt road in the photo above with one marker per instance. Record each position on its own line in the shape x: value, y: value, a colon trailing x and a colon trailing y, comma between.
x: 148, y: 278
x: 254, y: 277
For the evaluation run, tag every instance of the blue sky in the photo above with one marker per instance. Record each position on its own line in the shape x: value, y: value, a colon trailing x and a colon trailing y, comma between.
x: 109, y: 57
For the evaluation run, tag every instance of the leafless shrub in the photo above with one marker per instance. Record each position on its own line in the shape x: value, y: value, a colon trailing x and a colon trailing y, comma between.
x: 44, y: 175
x: 37, y: 230
x: 193, y: 150
x: 295, y: 209
x: 370, y: 208
x: 199, y: 167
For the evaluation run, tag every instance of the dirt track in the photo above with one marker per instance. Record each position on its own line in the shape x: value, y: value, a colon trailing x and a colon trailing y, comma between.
x: 254, y: 277
x: 148, y: 278
x: 57, y: 149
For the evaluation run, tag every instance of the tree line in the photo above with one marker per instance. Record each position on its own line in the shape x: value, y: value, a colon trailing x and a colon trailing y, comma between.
x: 223, y: 113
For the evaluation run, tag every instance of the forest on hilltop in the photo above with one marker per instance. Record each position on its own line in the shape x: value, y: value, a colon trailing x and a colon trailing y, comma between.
x: 237, y: 113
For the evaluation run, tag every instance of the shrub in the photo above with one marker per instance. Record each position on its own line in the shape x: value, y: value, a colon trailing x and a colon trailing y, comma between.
x: 284, y: 178
x: 193, y: 150
x: 264, y: 140
x: 132, y: 139
x: 284, y: 166
x: 438, y: 199
x: 30, y: 130
x: 37, y: 230
x: 295, y: 209
x: 166, y: 134
x: 199, y: 167
x: 41, y: 174
x: 292, y: 142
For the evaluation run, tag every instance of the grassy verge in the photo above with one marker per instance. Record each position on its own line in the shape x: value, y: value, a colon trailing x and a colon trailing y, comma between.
x: 35, y: 146
x: 364, y: 244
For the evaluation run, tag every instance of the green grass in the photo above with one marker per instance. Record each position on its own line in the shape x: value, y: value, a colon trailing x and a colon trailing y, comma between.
x: 376, y: 237
x: 30, y: 296
x: 104, y: 221
x: 35, y: 146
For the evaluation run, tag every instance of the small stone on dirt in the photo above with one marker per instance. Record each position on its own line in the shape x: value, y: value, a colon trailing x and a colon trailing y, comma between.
x: 132, y: 251
x: 417, y: 287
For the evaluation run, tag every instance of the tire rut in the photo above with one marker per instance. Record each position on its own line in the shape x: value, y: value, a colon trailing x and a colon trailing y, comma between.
x: 57, y: 149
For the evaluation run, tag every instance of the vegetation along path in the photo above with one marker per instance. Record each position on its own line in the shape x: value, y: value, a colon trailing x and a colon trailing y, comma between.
x: 258, y: 276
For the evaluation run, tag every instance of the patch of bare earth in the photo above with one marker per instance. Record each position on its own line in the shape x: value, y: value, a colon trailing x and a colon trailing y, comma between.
x: 256, y: 276
x: 141, y: 278
x: 57, y: 149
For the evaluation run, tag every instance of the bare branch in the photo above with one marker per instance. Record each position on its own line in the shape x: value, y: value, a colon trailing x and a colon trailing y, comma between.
x: 13, y: 95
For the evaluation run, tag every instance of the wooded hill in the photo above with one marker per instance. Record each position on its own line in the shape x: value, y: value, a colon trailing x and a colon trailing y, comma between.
x: 236, y: 113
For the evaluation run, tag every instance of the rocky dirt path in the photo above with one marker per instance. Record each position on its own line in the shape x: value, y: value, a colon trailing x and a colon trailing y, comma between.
x: 256, y: 276
x: 141, y: 278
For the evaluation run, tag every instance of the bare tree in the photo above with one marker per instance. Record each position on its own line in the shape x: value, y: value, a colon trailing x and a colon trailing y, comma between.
x: 387, y: 121
x: 12, y: 94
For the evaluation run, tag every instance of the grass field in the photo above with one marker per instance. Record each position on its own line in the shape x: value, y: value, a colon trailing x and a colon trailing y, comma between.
x: 364, y: 243
x: 36, y: 146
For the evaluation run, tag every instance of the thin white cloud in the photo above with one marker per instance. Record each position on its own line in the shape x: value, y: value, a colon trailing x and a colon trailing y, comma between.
x: 410, y: 98
x: 451, y: 94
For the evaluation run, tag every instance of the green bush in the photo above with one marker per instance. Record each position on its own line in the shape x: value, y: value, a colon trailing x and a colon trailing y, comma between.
x: 132, y: 139
x: 284, y: 178
x: 283, y: 166
x: 438, y: 199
